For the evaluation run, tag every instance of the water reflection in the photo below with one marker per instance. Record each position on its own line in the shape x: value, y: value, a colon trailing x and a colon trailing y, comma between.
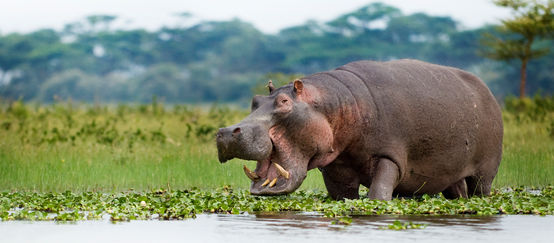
x: 294, y: 227
x: 286, y: 227
x: 290, y: 221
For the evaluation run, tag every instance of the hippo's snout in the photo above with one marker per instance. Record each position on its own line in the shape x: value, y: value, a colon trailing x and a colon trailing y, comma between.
x: 227, y: 139
x: 244, y: 141
x: 228, y: 132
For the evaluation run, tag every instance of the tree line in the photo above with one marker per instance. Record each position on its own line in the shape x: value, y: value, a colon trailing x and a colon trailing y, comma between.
x: 225, y: 61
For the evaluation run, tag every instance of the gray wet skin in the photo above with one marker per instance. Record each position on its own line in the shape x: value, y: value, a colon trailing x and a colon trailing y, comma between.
x: 400, y: 128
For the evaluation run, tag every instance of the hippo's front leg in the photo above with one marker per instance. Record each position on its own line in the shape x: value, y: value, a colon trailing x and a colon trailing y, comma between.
x: 341, y: 182
x: 384, y: 180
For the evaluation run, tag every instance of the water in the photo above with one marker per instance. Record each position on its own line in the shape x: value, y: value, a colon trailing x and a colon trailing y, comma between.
x: 288, y: 228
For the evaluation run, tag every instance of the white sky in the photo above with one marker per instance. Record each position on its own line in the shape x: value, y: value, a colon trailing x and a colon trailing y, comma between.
x: 267, y: 15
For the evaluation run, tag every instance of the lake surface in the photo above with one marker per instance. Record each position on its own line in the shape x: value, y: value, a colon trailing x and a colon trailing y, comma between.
x: 287, y: 227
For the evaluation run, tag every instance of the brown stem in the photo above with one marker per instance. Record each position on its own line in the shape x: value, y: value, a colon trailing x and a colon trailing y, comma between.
x: 523, y: 78
x: 524, y: 61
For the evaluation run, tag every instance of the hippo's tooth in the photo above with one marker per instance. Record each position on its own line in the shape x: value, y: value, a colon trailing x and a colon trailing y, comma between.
x: 251, y: 175
x: 282, y: 171
x: 265, y: 182
x: 272, y: 183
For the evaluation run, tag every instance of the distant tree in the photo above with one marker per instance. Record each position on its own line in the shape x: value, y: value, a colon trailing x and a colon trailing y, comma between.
x: 420, y: 27
x: 184, y: 18
x: 71, y: 84
x: 184, y: 15
x: 103, y: 20
x: 532, y: 21
x: 225, y: 61
x: 365, y: 18
x: 163, y: 81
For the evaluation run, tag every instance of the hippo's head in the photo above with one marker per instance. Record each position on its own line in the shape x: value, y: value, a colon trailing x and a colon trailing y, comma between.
x: 284, y: 134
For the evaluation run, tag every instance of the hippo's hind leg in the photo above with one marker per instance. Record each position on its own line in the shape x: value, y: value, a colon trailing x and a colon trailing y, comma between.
x: 341, y: 182
x: 456, y: 190
x: 479, y: 185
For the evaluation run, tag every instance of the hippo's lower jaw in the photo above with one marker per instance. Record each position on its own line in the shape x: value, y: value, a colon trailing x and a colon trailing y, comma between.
x: 270, y: 178
x: 277, y: 186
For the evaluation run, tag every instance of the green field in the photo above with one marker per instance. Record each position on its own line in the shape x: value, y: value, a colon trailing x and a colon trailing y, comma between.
x: 67, y: 146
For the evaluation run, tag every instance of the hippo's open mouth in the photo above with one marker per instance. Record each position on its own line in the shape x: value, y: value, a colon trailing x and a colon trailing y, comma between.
x: 272, y: 177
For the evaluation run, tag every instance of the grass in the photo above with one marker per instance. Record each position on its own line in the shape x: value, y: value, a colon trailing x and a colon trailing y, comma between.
x: 102, y: 168
x: 64, y: 147
x: 83, y: 148
x: 528, y: 153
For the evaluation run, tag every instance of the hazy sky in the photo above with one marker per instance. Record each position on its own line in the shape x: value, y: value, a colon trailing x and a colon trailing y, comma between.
x: 268, y: 16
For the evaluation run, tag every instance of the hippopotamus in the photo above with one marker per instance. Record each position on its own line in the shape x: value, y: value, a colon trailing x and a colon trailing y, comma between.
x: 401, y: 128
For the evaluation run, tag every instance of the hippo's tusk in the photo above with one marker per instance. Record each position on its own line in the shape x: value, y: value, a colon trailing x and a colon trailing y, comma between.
x: 265, y: 182
x: 282, y: 171
x: 251, y: 175
x: 272, y: 183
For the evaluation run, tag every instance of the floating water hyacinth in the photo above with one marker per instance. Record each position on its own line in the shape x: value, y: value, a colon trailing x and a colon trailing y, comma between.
x: 183, y: 204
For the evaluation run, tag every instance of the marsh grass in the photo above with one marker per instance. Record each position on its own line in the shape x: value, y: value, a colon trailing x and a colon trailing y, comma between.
x: 86, y: 148
x: 145, y: 147
x: 528, y: 152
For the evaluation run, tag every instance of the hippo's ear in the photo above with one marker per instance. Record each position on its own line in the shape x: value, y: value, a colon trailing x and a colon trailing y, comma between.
x: 298, y: 86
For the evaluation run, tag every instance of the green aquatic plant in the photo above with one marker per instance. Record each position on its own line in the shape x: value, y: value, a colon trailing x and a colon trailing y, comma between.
x: 344, y: 220
x: 183, y: 204
x: 398, y: 225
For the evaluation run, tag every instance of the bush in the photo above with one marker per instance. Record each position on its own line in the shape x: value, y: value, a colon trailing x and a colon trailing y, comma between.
x: 537, y: 108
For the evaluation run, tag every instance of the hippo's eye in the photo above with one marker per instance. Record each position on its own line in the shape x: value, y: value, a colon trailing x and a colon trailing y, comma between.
x: 283, y: 103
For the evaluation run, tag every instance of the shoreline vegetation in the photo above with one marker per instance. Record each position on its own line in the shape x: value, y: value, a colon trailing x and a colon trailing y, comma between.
x: 182, y: 204
x: 88, y: 161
